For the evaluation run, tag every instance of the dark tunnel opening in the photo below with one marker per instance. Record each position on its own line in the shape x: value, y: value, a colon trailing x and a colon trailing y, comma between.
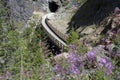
x: 53, y: 6
x: 34, y: 0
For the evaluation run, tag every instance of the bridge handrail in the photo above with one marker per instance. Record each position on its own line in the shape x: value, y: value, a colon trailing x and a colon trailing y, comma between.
x: 58, y: 33
x: 49, y: 31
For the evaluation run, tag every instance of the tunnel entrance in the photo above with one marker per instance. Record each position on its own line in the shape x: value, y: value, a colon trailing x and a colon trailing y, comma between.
x: 34, y: 0
x: 53, y: 6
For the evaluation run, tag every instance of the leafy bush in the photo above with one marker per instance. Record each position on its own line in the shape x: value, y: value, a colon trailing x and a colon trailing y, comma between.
x: 73, y: 39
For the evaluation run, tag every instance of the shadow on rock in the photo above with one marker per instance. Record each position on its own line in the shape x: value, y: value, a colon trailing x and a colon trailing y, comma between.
x: 92, y: 12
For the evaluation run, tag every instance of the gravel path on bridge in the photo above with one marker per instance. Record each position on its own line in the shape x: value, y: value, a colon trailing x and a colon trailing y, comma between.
x: 49, y: 30
x: 60, y: 22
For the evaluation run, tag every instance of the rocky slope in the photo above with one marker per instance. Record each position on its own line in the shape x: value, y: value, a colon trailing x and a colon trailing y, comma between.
x: 89, y: 19
x: 70, y: 13
x: 23, y: 9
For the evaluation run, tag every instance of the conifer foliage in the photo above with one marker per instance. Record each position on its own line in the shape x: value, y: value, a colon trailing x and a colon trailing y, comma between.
x: 73, y: 37
x: 20, y: 54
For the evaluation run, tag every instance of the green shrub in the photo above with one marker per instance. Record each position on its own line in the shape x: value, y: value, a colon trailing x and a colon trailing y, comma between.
x: 73, y: 37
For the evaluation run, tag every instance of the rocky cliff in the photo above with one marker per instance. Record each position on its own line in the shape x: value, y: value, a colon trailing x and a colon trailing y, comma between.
x: 83, y: 15
x: 23, y: 9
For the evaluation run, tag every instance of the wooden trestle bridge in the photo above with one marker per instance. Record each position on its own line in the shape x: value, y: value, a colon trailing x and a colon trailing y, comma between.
x: 56, y: 36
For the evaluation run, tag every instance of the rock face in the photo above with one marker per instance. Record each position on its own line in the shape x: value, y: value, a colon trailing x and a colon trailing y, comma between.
x: 89, y: 30
x: 23, y: 9
x: 93, y: 11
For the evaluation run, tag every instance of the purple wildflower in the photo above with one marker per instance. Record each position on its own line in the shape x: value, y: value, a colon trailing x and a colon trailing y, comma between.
x: 91, y: 59
x: 118, y: 76
x: 57, y: 68
x: 108, y: 68
x: 90, y: 55
x: 53, y: 79
x: 61, y: 50
x: 78, y: 63
x: 66, y: 71
x: 73, y: 58
x: 74, y: 69
x: 116, y: 9
x: 75, y: 62
x: 102, y: 61
x: 106, y: 64
x: 71, y: 46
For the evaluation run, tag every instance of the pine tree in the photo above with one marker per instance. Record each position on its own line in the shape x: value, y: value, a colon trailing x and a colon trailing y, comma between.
x: 73, y: 37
